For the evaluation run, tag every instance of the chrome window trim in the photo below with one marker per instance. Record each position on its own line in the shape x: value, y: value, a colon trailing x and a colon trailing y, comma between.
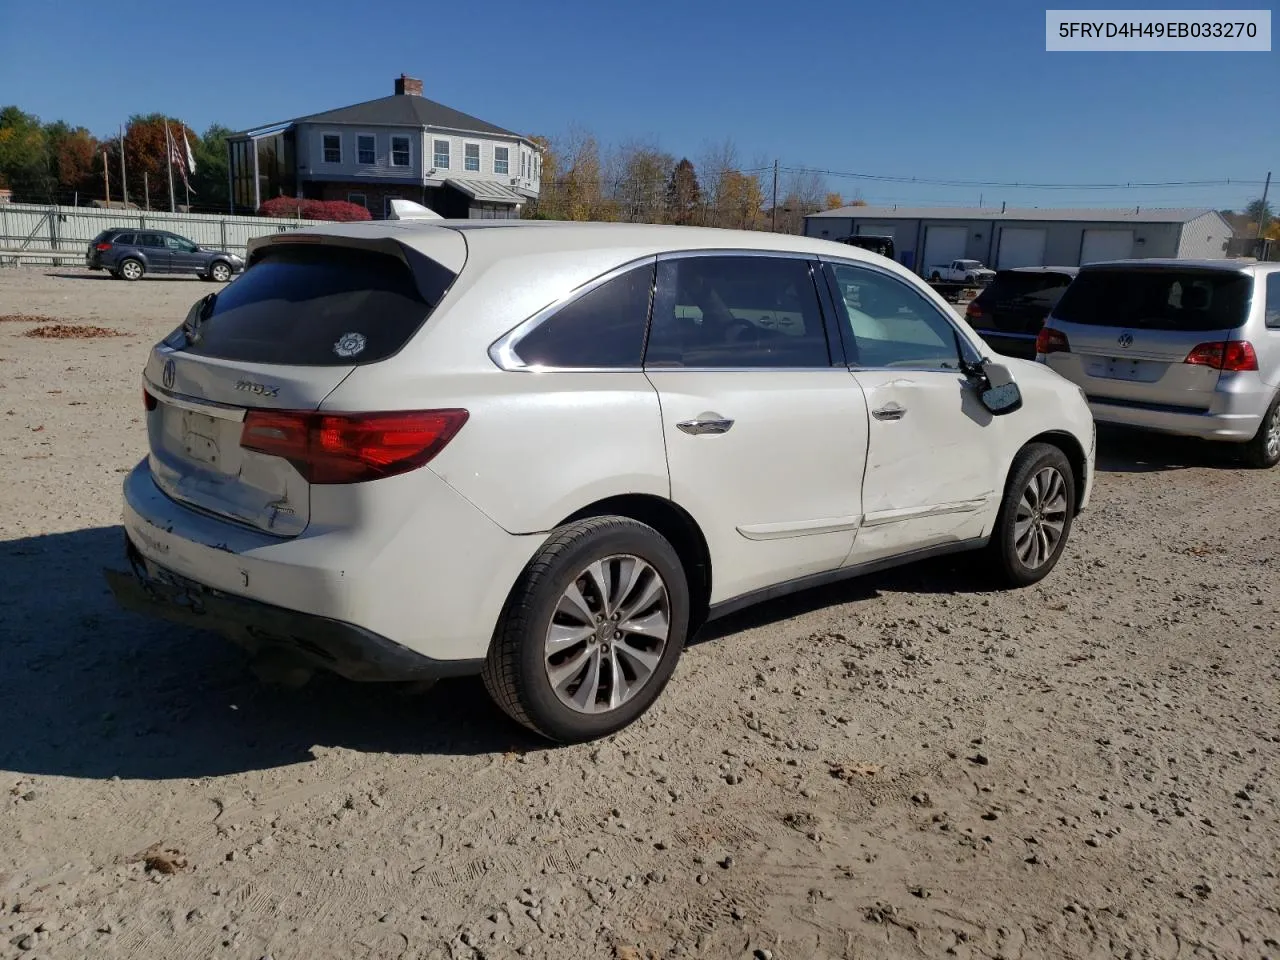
x: 925, y: 294
x: 502, y: 351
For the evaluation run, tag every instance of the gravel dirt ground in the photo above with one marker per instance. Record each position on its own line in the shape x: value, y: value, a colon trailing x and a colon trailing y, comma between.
x: 907, y: 765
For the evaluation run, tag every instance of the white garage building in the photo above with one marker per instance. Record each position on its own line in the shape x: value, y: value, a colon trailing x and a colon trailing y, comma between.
x: 1034, y: 237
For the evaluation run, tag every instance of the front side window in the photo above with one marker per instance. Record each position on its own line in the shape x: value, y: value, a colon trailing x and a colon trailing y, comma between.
x: 400, y: 151
x: 889, y: 324
x: 502, y: 160
x: 603, y: 328
x: 178, y: 244
x: 736, y: 311
x: 365, y: 150
x: 1273, y: 301
x: 471, y: 157
x: 441, y: 154
x: 332, y: 148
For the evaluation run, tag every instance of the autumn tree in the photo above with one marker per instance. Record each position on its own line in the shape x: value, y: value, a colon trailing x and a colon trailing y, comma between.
x: 739, y: 200
x: 638, y: 179
x: 74, y: 159
x: 24, y: 156
x: 582, y: 196
x: 548, y: 204
x: 684, y: 195
x: 146, y: 151
x: 833, y: 201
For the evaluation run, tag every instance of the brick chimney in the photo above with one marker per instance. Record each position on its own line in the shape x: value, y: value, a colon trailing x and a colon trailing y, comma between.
x: 408, y: 86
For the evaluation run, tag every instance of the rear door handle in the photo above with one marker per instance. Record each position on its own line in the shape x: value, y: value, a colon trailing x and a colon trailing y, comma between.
x: 890, y: 411
x: 703, y: 426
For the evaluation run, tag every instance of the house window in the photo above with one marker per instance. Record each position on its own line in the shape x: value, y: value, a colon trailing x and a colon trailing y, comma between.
x: 502, y: 160
x: 471, y: 157
x: 524, y: 165
x: 364, y: 149
x: 441, y: 151
x: 359, y: 199
x: 332, y: 148
x: 400, y: 152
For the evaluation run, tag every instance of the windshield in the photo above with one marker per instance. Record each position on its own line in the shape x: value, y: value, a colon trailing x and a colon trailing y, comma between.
x: 1183, y: 300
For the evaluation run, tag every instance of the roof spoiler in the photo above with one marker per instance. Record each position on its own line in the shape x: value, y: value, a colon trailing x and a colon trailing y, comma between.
x: 408, y: 210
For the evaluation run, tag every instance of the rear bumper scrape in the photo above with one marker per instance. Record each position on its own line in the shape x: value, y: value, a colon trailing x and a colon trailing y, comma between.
x: 323, y: 643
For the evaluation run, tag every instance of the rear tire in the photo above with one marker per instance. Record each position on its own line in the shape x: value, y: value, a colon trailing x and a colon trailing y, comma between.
x: 131, y: 269
x: 1035, y: 518
x: 1263, y: 451
x: 936, y: 277
x: 562, y: 652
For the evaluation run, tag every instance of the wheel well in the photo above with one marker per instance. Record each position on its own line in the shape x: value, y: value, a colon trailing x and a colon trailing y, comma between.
x: 680, y: 530
x: 1074, y: 453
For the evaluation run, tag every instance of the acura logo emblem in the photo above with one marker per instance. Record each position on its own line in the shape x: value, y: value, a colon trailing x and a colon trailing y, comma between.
x: 169, y: 374
x: 1126, y: 339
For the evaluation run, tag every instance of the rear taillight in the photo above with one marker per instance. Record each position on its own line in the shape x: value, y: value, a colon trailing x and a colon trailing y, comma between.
x: 1052, y: 341
x: 148, y: 400
x: 973, y: 311
x: 1229, y: 355
x: 102, y: 246
x: 352, y: 447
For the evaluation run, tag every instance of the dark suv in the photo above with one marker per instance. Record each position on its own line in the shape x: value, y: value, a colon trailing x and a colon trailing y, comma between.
x: 128, y: 253
x: 1010, y: 311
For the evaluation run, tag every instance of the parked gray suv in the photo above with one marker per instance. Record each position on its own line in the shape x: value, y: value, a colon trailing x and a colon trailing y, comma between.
x: 1188, y: 347
x: 130, y: 254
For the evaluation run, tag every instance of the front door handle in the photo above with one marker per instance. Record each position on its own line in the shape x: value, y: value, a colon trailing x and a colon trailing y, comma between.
x: 890, y: 411
x: 703, y: 426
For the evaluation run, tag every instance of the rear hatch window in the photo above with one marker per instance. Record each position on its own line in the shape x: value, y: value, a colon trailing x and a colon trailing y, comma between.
x: 1183, y: 300
x: 317, y: 306
x: 1010, y: 285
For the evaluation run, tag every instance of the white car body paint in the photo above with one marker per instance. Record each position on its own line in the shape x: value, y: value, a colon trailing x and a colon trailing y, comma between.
x: 805, y: 482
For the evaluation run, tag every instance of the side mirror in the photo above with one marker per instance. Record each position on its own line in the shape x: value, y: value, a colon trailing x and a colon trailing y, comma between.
x: 997, y: 391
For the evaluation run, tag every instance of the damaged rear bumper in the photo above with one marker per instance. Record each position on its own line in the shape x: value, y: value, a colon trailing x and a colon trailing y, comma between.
x: 261, y: 628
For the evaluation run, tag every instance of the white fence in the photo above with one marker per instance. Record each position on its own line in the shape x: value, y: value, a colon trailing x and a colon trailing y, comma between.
x: 33, y: 227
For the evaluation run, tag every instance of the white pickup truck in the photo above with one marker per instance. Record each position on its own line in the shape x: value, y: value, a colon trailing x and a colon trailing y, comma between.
x: 961, y: 271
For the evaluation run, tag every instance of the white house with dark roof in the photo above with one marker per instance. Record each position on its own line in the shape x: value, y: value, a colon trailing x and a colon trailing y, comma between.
x: 1030, y: 237
x: 399, y: 147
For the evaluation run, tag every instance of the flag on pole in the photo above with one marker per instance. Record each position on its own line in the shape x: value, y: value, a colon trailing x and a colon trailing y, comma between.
x: 175, y: 155
x: 191, y: 157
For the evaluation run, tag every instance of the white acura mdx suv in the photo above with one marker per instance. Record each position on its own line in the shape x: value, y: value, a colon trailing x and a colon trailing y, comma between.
x: 548, y: 452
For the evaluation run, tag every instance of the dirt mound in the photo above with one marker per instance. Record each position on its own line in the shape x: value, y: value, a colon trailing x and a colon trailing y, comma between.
x: 71, y: 331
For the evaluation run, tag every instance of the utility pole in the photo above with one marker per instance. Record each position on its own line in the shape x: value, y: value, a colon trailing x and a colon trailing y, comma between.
x: 106, y: 178
x: 124, y: 178
x: 1262, y: 214
x: 773, y: 210
x: 146, y: 189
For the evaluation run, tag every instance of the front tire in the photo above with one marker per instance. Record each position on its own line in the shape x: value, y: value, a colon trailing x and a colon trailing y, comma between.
x: 592, y: 630
x: 220, y: 272
x: 131, y: 269
x: 1036, y: 516
x: 1263, y: 451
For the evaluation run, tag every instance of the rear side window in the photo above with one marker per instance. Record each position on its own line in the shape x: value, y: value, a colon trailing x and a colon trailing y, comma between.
x: 1177, y: 300
x: 317, y: 306
x: 1273, y: 301
x: 736, y: 311
x: 602, y: 328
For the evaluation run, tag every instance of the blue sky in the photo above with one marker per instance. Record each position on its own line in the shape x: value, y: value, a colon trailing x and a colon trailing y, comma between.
x: 927, y: 89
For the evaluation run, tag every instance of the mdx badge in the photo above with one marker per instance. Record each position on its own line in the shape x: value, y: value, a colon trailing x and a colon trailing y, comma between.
x: 259, y: 389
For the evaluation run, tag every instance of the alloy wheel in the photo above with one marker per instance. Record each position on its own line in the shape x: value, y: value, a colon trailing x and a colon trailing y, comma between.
x: 1041, y: 517
x: 1273, y: 434
x: 607, y: 634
